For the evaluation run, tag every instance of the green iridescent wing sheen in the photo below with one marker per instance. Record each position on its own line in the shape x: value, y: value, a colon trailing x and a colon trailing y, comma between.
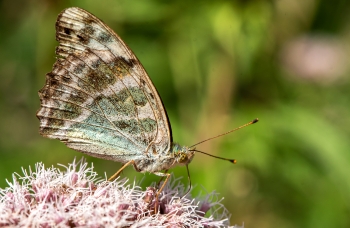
x: 98, y: 99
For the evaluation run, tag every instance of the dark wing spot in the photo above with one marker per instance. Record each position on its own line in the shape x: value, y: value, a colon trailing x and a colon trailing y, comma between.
x: 78, y: 97
x: 138, y: 96
x: 71, y: 111
x: 64, y: 110
x: 143, y: 83
x: 129, y: 126
x: 83, y: 38
x: 80, y: 38
x: 51, y: 126
x: 96, y: 120
x: 132, y: 62
x: 121, y: 66
x: 121, y: 107
x: 66, y: 78
x: 128, y: 62
x: 79, y: 68
x: 88, y: 29
x: 96, y: 63
x: 151, y: 95
x: 53, y: 82
x: 122, y: 95
x: 148, y: 124
x: 67, y: 31
x: 100, y: 77
x: 126, y: 109
x: 104, y: 37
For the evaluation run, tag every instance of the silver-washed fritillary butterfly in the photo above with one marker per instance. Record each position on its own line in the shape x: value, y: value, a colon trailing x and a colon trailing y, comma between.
x: 99, y: 100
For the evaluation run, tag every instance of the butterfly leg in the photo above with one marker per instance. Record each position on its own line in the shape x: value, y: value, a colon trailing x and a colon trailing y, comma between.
x: 167, y: 176
x: 162, y: 178
x: 122, y: 168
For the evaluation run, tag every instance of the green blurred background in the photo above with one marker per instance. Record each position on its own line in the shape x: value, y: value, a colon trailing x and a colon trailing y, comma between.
x: 217, y: 65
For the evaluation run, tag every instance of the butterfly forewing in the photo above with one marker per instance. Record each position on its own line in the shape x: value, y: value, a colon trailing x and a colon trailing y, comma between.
x: 98, y: 99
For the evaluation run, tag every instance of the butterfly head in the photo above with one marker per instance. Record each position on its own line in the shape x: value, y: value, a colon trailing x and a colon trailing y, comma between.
x: 183, y: 155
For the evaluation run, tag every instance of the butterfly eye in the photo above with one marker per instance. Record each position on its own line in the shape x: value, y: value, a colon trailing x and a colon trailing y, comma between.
x: 183, y: 158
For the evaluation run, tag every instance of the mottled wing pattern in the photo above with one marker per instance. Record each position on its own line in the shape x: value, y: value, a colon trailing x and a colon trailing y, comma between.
x: 98, y: 99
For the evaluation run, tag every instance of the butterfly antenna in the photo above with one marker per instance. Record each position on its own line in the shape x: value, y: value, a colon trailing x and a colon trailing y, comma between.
x: 247, y: 124
x: 226, y: 159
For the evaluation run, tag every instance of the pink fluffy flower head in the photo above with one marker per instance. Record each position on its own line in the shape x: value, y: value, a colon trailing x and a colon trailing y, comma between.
x: 77, y: 197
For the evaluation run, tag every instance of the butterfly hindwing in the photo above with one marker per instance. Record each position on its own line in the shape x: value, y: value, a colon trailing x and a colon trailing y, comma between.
x: 98, y: 99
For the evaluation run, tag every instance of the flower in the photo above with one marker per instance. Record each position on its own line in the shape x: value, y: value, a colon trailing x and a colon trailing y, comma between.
x: 77, y: 197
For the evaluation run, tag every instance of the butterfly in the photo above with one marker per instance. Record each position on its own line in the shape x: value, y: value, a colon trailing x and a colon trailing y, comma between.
x: 99, y: 100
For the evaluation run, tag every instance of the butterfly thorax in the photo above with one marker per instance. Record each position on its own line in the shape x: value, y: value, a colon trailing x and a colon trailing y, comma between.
x: 176, y: 155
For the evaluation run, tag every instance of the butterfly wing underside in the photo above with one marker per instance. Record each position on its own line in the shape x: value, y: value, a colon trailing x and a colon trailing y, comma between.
x: 98, y: 99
